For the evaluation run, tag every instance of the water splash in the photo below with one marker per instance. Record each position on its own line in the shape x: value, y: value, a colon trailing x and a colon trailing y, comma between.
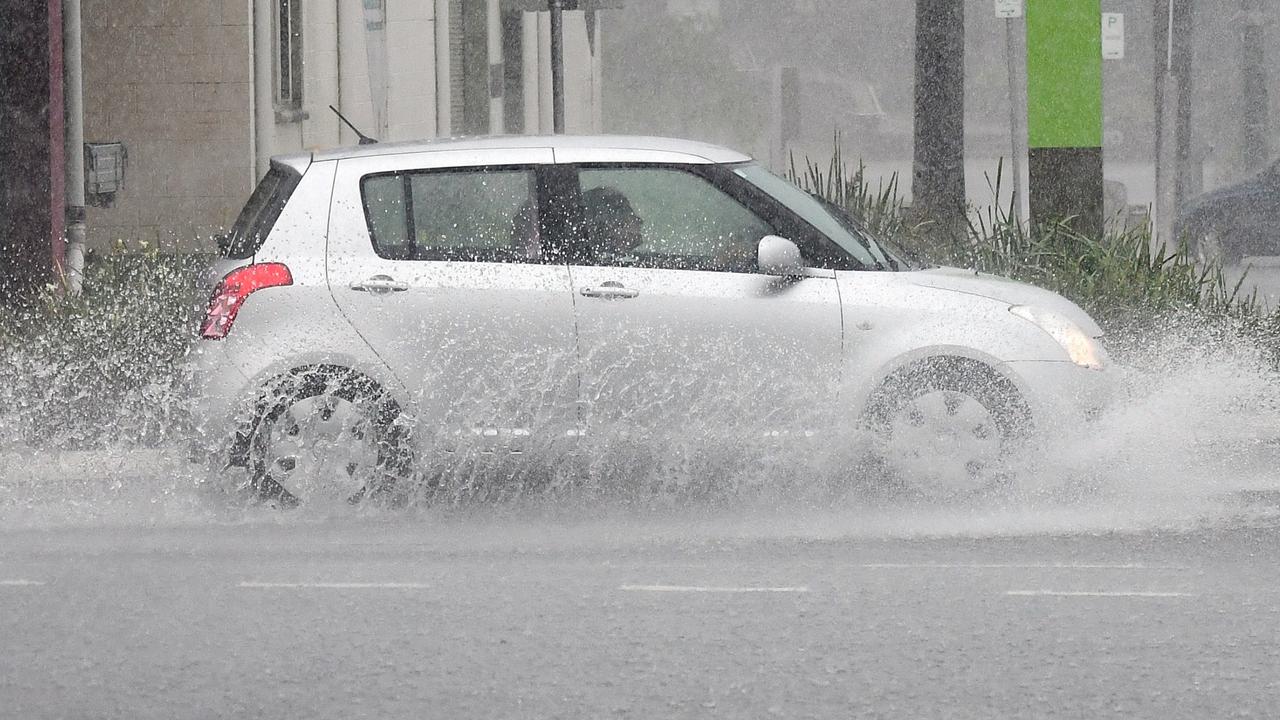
x: 1192, y: 440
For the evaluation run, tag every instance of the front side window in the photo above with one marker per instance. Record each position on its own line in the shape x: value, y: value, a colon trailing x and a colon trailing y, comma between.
x: 475, y: 215
x: 834, y: 226
x: 665, y: 218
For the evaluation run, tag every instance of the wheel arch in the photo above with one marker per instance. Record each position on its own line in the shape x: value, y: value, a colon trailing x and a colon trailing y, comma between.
x: 273, y: 393
x: 944, y: 362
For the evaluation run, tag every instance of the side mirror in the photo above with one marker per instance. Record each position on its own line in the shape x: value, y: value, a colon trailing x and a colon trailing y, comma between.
x: 779, y: 256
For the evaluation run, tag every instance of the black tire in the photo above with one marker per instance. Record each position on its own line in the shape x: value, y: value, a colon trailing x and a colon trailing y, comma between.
x: 1206, y: 249
x: 960, y: 387
x: 1214, y: 243
x: 375, y: 422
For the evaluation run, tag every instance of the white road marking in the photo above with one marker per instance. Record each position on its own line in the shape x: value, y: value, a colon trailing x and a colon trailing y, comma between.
x: 1113, y: 594
x: 705, y: 589
x: 335, y: 586
x: 21, y: 583
x: 1017, y: 566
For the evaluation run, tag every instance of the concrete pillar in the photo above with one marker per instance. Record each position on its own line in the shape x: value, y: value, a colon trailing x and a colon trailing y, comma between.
x: 1064, y: 112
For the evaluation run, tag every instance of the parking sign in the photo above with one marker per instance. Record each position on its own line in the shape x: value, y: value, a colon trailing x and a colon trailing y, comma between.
x: 1112, y: 36
x: 1008, y: 9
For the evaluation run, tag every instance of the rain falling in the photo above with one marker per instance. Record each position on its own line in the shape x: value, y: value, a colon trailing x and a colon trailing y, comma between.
x: 688, y: 358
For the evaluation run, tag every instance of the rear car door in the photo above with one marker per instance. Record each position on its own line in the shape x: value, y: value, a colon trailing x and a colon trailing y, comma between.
x: 436, y: 259
x: 680, y: 337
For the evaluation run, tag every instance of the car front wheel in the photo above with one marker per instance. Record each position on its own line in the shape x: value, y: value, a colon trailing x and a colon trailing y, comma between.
x: 940, y: 432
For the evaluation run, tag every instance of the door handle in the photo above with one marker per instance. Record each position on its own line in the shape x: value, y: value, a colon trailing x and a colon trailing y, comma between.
x: 610, y: 290
x: 380, y: 285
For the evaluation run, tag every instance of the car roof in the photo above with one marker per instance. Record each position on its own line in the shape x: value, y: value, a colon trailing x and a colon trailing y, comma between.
x: 568, y: 148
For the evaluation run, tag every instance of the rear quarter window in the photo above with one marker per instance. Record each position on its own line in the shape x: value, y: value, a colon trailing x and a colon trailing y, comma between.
x: 259, y: 214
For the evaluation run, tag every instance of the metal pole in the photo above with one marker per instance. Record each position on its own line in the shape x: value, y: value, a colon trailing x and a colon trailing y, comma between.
x: 1167, y: 91
x: 777, y: 147
x: 1255, y: 100
x: 1017, y: 134
x: 1176, y: 177
x: 73, y: 91
x: 444, y: 72
x: 557, y: 66
x: 57, y: 124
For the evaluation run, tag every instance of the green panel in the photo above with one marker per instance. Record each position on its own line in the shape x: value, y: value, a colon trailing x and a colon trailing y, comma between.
x: 1064, y: 73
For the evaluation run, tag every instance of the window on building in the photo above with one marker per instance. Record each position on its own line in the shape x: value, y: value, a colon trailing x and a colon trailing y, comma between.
x: 289, y: 58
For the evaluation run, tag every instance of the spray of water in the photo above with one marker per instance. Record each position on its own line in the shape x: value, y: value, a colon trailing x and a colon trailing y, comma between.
x: 1192, y: 439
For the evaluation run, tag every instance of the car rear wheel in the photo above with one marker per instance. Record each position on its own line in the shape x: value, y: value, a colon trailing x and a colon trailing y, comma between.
x: 940, y: 432
x: 332, y: 438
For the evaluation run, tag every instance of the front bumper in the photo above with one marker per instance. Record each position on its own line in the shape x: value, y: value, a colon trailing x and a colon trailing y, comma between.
x: 1061, y: 393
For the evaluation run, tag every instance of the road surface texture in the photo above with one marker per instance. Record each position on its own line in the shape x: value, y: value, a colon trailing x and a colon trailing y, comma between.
x: 494, y: 618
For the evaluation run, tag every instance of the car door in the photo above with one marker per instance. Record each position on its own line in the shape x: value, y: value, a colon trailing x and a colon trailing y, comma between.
x: 1259, y: 217
x: 679, y: 337
x: 436, y: 259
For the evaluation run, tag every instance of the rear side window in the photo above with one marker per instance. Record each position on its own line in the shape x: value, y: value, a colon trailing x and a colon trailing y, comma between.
x: 473, y: 214
x: 259, y: 215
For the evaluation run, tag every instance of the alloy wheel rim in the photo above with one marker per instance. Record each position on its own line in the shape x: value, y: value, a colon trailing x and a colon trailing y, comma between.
x: 322, y: 450
x: 944, y: 444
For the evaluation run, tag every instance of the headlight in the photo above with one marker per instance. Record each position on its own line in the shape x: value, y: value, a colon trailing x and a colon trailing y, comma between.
x: 1082, y: 349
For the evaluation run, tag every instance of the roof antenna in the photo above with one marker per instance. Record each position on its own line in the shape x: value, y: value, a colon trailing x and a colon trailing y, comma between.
x: 364, y: 139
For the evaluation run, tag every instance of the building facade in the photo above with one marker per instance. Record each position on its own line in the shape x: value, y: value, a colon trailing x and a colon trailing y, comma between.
x: 203, y: 92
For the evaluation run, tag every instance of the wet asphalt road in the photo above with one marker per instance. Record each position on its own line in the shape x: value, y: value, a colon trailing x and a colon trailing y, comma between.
x: 353, y: 619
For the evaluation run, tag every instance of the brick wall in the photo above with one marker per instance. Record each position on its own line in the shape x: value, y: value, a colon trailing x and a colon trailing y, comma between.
x: 171, y: 79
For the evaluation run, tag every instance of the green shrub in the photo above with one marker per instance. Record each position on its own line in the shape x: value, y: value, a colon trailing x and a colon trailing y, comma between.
x: 1127, y: 282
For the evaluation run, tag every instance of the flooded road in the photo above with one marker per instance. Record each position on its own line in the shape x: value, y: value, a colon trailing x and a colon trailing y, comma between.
x: 1127, y: 574
x: 493, y: 617
x: 1129, y: 570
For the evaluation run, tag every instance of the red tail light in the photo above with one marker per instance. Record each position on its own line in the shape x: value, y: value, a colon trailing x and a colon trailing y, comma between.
x: 233, y: 290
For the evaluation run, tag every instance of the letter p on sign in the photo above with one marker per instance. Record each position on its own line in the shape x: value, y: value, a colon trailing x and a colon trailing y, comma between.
x: 1112, y: 36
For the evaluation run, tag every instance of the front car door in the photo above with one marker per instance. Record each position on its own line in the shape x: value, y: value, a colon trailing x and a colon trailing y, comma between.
x: 682, y: 342
x: 437, y: 260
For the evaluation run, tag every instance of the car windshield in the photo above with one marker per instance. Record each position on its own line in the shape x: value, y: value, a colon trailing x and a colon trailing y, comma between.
x: 900, y: 257
x: 840, y: 228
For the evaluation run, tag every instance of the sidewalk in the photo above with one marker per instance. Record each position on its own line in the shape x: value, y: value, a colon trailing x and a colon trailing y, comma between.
x: 1261, y: 274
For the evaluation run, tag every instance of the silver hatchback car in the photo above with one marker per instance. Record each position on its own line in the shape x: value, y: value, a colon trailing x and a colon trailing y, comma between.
x: 385, y: 309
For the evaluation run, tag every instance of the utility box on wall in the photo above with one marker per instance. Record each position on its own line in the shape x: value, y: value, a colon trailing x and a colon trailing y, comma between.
x: 104, y: 167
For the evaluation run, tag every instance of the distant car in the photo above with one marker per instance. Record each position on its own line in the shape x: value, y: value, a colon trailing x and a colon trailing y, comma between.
x: 1236, y: 221
x: 386, y: 308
